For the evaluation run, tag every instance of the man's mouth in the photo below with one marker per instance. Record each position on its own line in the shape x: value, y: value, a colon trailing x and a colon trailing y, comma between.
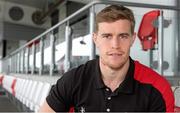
x: 115, y: 54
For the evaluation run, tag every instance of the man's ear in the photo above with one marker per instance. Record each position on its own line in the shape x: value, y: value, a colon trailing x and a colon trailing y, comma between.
x: 95, y: 38
x: 133, y: 38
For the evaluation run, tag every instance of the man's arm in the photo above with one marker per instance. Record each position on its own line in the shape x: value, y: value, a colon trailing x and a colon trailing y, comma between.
x: 46, y: 108
x: 157, y: 103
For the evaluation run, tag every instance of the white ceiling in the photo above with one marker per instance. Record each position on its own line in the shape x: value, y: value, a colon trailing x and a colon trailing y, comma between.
x: 33, y: 3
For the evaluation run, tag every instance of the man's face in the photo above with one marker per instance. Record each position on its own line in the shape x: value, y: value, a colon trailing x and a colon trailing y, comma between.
x: 114, y: 40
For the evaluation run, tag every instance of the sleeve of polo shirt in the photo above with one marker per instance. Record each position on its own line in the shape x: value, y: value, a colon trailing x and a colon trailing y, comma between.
x: 59, y: 98
x: 157, y: 103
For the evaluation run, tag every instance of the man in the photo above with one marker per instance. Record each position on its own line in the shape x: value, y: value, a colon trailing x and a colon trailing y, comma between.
x: 114, y: 82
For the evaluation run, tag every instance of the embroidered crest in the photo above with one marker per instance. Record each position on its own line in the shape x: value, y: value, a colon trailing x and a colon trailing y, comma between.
x: 82, y: 110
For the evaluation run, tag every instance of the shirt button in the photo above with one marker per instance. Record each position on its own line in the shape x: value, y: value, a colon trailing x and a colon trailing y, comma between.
x: 107, y: 89
x: 109, y: 98
x: 108, y: 110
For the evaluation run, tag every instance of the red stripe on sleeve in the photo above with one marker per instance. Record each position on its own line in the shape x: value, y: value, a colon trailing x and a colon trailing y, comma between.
x: 146, y: 75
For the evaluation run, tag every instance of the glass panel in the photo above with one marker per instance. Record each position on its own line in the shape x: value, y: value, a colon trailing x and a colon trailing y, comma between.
x: 11, y: 64
x: 136, y: 50
x: 30, y: 59
x: 5, y: 65
x: 37, y: 57
x: 170, y: 55
x: 80, y: 42
x: 18, y: 62
x: 60, y: 50
x: 14, y: 64
x: 21, y: 61
x: 25, y: 59
x: 47, y: 55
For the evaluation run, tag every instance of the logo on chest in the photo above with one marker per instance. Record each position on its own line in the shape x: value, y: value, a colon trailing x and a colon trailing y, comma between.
x: 82, y: 110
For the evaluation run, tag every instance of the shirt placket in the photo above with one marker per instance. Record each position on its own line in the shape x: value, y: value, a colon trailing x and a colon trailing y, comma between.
x: 108, y: 99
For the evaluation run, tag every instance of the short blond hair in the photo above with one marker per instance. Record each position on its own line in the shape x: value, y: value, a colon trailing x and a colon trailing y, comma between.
x: 113, y: 13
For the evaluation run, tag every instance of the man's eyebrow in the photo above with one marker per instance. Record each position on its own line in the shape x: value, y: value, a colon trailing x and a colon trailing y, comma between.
x: 106, y: 34
x: 110, y: 34
x: 124, y: 34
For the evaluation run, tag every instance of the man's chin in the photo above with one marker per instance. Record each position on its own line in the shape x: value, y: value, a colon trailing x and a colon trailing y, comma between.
x: 116, y: 67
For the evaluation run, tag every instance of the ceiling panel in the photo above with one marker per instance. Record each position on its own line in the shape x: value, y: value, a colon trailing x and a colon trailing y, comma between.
x: 42, y: 3
x: 33, y: 3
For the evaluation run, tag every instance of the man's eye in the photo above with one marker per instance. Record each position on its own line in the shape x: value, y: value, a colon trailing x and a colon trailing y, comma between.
x: 106, y: 36
x: 124, y: 37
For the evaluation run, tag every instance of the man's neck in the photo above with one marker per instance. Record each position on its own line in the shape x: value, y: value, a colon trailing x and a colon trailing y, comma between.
x: 112, y: 78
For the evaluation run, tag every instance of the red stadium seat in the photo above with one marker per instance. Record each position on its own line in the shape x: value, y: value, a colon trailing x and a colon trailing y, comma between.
x: 8, y: 83
x: 147, y: 31
x: 13, y: 87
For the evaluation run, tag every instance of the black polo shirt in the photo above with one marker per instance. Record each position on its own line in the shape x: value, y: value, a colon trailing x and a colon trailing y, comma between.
x: 83, y: 89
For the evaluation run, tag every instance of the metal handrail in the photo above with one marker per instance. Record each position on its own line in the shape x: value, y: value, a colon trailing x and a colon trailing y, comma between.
x: 87, y: 7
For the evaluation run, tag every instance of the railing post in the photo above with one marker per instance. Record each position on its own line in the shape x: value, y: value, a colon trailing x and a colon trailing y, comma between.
x: 160, y: 42
x: 17, y: 63
x: 20, y: 55
x: 15, y: 66
x: 27, y: 61
x: 177, y: 51
x: 91, y: 30
x: 67, y: 62
x: 10, y: 64
x: 52, y: 46
x: 41, y: 56
x: 34, y: 58
x: 23, y: 60
x: 15, y: 57
x: 19, y: 66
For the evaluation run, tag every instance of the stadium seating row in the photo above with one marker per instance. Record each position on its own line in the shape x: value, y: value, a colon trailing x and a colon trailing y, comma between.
x: 30, y: 93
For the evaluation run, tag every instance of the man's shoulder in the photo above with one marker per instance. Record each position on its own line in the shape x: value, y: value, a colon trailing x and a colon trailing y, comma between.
x: 145, y: 73
x: 81, y: 70
x: 83, y: 67
x: 74, y: 78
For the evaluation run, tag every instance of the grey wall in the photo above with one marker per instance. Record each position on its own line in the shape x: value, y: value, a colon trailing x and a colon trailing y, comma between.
x: 20, y: 32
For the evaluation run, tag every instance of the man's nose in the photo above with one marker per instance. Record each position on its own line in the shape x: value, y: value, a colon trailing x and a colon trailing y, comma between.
x: 115, y: 43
